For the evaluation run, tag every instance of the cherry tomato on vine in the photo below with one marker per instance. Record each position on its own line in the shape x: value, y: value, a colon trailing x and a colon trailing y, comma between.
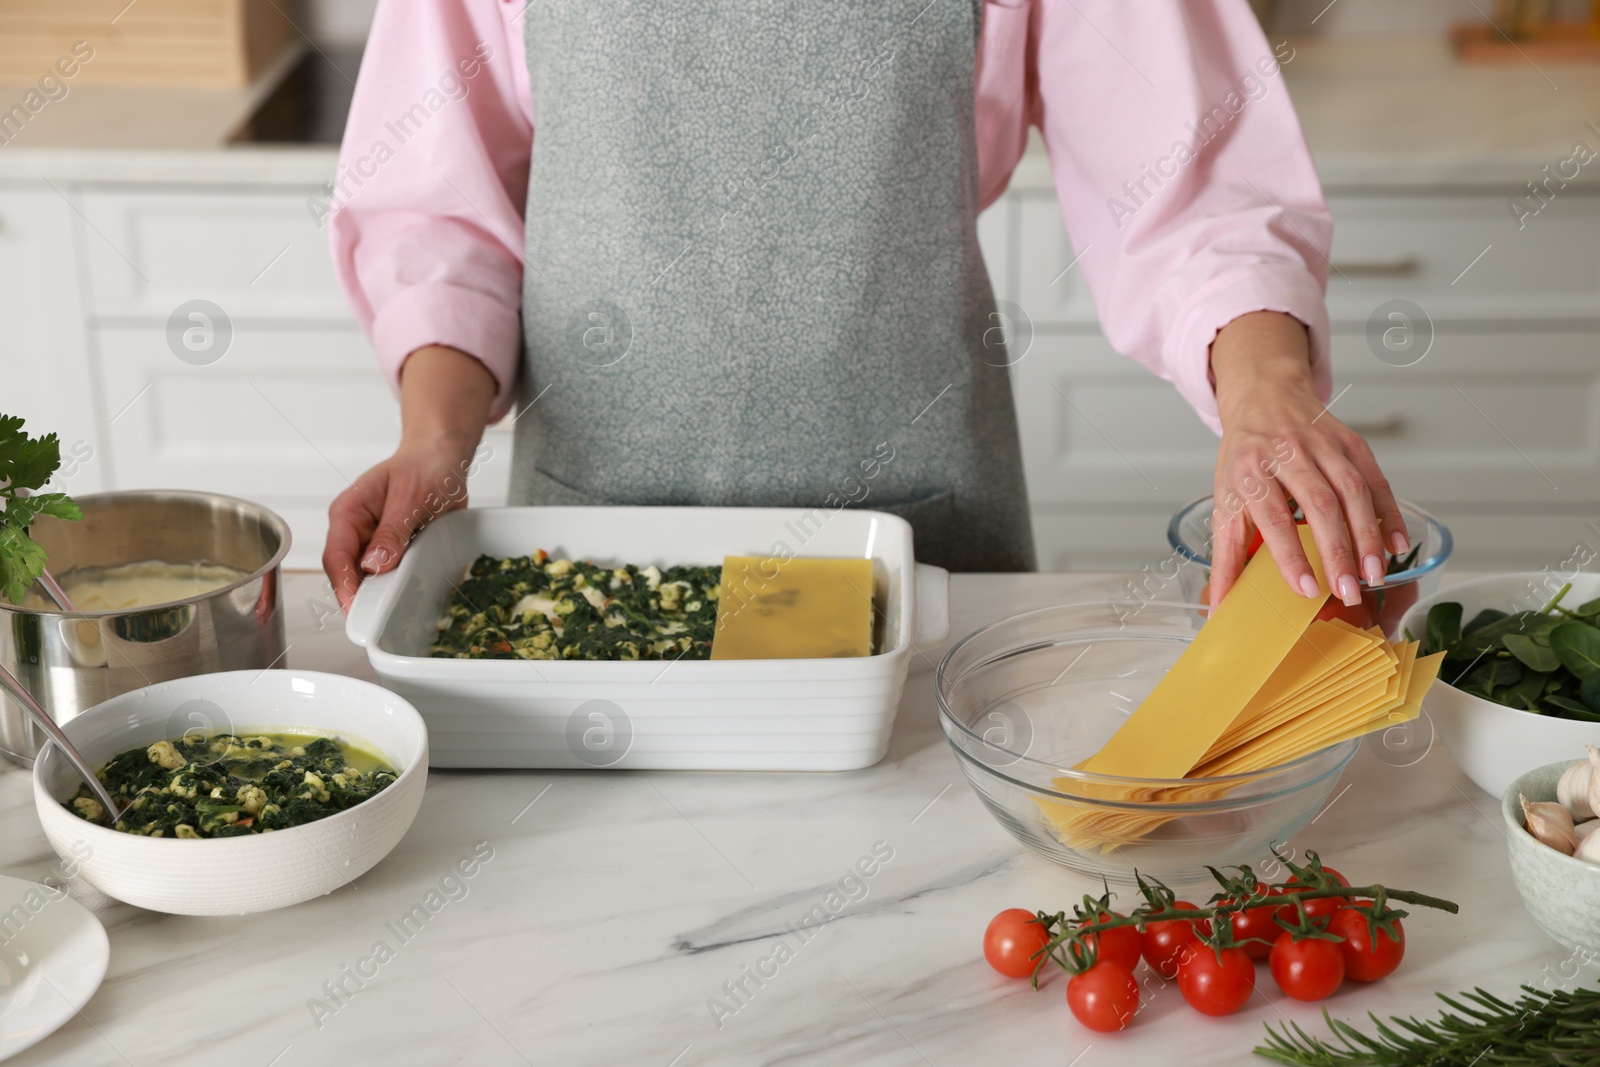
x: 1162, y: 942
x: 1257, y: 923
x: 1011, y: 940
x: 1307, y: 970
x: 1321, y: 907
x: 1105, y: 997
x: 1212, y: 985
x: 1121, y: 944
x: 1366, y: 959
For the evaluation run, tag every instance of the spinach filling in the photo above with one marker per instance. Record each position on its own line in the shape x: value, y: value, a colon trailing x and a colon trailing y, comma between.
x: 225, y: 785
x: 533, y: 607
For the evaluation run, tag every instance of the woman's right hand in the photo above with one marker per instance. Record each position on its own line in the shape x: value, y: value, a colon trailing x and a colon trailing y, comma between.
x: 371, y: 523
x: 444, y: 400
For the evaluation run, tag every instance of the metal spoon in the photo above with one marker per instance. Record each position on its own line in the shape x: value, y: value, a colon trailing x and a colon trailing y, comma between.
x: 55, y: 592
x: 21, y: 695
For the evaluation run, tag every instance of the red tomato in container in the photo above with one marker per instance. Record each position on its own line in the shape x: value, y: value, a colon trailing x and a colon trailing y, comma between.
x: 1307, y: 970
x: 1105, y: 997
x: 1366, y: 959
x: 1215, y: 985
x: 1357, y: 615
x: 1011, y: 940
x: 1396, y: 601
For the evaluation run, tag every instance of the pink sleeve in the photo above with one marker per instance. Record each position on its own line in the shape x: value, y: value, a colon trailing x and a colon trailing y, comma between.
x: 426, y: 221
x: 1183, y: 176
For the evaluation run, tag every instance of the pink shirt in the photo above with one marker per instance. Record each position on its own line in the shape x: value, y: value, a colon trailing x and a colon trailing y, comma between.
x: 426, y: 215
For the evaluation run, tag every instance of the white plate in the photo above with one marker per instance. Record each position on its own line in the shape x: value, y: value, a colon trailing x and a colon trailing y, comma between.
x: 53, y: 954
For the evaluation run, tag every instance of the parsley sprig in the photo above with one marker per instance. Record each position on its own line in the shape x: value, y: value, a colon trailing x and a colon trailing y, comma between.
x: 26, y: 464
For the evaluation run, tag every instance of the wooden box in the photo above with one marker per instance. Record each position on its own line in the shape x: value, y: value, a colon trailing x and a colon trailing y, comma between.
x: 219, y: 43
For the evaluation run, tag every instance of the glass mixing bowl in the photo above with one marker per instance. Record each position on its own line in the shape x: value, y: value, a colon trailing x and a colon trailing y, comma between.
x: 1189, y: 534
x: 1023, y: 701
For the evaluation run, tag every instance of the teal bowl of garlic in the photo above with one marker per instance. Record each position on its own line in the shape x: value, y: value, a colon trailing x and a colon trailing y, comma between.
x: 1561, y: 892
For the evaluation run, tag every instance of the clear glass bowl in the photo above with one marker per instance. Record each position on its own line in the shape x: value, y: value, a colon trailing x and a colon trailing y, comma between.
x: 1189, y: 534
x: 1026, y: 699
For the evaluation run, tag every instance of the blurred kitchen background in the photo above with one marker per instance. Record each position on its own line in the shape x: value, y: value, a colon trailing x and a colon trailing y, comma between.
x: 167, y: 303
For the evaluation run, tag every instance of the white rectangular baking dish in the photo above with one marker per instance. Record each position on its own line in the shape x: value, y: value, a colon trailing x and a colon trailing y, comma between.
x: 813, y: 715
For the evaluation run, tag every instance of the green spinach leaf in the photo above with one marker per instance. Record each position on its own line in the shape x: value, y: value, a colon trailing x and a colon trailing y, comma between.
x: 1533, y: 655
x: 1482, y: 619
x: 1444, y: 626
x: 1577, y: 645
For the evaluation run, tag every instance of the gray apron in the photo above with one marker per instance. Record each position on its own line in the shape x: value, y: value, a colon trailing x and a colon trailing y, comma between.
x: 752, y: 273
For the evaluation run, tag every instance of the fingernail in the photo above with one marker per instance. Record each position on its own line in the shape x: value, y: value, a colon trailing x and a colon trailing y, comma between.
x: 1372, y: 567
x: 1309, y: 586
x: 1400, y: 542
x: 376, y: 557
x: 1349, y: 591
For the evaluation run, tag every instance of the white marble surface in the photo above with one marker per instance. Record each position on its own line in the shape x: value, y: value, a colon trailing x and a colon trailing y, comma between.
x: 617, y: 903
x: 1376, y: 111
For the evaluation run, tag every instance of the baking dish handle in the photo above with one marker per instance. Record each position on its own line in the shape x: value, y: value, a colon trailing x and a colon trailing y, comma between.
x: 371, y: 606
x: 933, y: 605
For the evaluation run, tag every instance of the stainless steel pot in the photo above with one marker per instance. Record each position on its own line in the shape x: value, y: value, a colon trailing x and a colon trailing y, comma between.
x: 70, y: 662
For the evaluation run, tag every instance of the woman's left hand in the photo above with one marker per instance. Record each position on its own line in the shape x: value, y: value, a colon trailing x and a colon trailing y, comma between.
x: 1278, y: 442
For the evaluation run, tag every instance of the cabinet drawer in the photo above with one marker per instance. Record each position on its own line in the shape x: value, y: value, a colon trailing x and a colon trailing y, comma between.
x: 1528, y: 541
x: 1114, y: 541
x: 1464, y: 424
x: 1136, y: 540
x: 1049, y: 280
x: 253, y: 254
x: 42, y: 356
x: 1423, y: 248
x: 287, y: 417
x: 1385, y: 247
x: 1472, y: 422
x: 996, y: 227
x: 1098, y: 427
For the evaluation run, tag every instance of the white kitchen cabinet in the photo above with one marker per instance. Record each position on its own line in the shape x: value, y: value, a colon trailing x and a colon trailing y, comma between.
x: 42, y: 332
x: 288, y: 417
x: 1460, y: 255
x: 254, y: 254
x: 287, y: 413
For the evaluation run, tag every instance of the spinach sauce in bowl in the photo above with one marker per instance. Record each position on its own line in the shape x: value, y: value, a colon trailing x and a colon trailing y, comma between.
x: 225, y: 785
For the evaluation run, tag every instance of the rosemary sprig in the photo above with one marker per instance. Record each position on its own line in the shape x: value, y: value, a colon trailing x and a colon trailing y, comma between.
x: 1543, y: 1027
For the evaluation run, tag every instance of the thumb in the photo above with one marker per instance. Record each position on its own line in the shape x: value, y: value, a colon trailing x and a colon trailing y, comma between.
x: 394, y: 532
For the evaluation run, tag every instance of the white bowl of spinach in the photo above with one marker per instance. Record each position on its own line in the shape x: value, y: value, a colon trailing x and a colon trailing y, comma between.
x: 243, y: 791
x: 1521, y: 672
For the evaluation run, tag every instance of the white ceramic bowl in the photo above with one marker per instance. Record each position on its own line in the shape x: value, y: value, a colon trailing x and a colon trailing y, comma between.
x: 1493, y: 743
x: 1560, y: 892
x: 259, y: 872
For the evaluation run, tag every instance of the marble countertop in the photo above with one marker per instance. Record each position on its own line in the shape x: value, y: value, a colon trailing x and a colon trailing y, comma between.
x: 1376, y: 111
x: 613, y: 907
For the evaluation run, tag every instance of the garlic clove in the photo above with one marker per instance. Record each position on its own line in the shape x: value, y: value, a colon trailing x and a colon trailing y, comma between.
x: 1584, y: 829
x: 1550, y: 824
x: 1589, y: 848
x: 1594, y: 779
x: 1574, y: 790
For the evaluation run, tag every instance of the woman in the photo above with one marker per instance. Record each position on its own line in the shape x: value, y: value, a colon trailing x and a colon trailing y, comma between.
x: 720, y: 254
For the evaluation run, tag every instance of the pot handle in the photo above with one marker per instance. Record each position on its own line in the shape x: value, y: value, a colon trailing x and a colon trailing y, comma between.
x: 371, y: 606
x: 932, y: 605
